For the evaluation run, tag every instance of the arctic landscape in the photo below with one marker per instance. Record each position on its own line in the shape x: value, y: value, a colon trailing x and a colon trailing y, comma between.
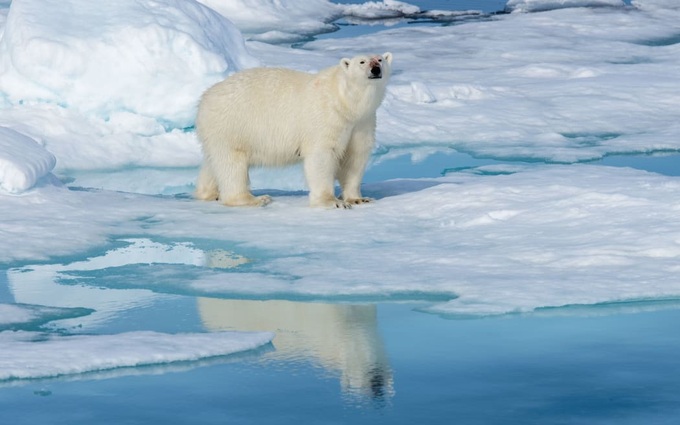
x: 511, y: 178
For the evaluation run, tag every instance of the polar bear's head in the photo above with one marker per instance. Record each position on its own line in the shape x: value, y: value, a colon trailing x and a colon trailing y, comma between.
x: 369, y: 67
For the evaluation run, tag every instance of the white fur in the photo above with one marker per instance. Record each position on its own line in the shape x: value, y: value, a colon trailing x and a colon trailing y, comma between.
x: 275, y: 117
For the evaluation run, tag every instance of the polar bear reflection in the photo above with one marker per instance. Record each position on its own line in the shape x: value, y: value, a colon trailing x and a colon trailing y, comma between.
x: 339, y: 337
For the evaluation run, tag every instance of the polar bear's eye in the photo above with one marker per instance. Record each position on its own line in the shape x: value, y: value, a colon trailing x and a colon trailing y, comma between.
x: 362, y: 62
x: 379, y: 60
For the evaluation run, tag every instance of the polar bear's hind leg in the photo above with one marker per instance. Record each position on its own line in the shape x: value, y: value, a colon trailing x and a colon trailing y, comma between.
x: 206, y: 186
x: 233, y: 181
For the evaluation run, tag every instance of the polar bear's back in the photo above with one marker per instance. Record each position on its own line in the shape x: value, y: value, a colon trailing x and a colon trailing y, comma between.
x: 261, y: 87
x: 262, y: 111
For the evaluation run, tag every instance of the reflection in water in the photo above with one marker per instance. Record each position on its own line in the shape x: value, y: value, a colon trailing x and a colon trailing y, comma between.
x: 340, y: 338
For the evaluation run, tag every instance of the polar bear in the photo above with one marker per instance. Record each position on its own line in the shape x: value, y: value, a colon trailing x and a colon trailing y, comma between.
x: 276, y: 116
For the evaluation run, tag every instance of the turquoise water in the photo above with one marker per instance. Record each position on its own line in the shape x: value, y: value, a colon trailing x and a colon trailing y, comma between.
x: 604, y: 365
x: 447, y: 161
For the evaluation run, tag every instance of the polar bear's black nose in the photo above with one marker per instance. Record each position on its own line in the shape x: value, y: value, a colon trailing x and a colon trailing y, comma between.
x: 376, y: 72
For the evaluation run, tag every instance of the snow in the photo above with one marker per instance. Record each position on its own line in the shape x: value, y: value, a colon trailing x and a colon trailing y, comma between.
x: 278, y: 20
x: 563, y: 76
x: 22, y: 161
x: 663, y: 6
x: 544, y: 5
x: 289, y: 21
x: 133, y: 52
x: 493, y: 241
x: 103, y: 97
x: 380, y: 10
x: 35, y: 355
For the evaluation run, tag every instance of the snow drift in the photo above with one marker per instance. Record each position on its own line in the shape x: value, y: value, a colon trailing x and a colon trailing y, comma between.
x: 22, y: 161
x: 150, y: 57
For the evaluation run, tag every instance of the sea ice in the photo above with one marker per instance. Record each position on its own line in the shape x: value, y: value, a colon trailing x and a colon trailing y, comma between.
x: 22, y: 161
x: 544, y: 5
x: 123, y: 56
x: 17, y: 315
x: 491, y: 241
x: 32, y: 355
x: 287, y: 21
x: 380, y: 9
x: 530, y: 85
x: 278, y: 20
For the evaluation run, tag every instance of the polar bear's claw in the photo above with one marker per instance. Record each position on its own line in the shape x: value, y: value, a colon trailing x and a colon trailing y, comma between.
x: 359, y: 201
x: 333, y: 203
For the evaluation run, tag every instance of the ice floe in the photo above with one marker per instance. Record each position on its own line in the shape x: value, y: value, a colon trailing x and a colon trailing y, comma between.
x: 31, y: 355
x: 16, y: 316
x: 495, y: 240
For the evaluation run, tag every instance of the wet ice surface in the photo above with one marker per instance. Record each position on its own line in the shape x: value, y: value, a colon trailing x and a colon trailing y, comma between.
x: 526, y: 178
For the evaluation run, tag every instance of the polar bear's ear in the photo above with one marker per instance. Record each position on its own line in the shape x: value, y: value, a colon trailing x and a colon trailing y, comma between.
x: 344, y: 63
x: 388, y: 57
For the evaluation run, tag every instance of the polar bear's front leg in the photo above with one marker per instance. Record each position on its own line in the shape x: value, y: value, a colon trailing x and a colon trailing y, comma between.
x: 353, y: 165
x: 320, y: 167
x: 234, y: 183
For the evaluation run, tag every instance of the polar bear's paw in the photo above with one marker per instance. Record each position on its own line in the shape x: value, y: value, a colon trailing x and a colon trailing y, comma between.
x: 331, y: 203
x: 247, y: 201
x: 339, y: 203
x: 263, y: 200
x: 206, y: 194
x: 358, y: 201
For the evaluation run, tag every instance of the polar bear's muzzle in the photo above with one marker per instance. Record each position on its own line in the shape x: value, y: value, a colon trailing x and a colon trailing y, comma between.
x: 376, y: 72
x: 376, y: 68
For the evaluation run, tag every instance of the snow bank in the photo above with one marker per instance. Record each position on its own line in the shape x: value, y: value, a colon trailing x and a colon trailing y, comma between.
x: 152, y: 58
x: 544, y: 5
x: 288, y: 21
x: 27, y: 355
x: 278, y: 20
x: 22, y: 161
x: 123, y: 140
x: 380, y: 10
